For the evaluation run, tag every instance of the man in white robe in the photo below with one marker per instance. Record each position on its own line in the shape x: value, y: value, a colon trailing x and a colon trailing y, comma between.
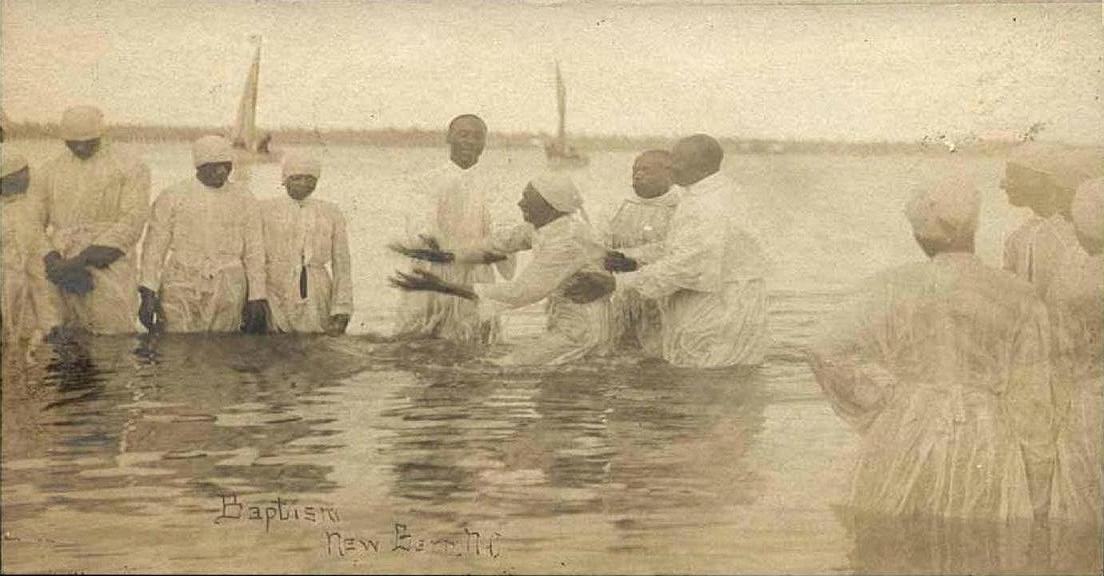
x: 942, y: 367
x: 96, y: 200
x: 310, y: 280
x: 563, y: 245
x: 710, y: 271
x: 452, y: 207
x: 203, y: 261
x: 640, y: 221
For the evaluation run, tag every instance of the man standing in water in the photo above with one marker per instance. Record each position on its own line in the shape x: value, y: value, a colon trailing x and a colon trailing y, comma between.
x: 710, y: 271
x: 638, y: 230
x: 942, y: 368
x: 452, y: 208
x: 203, y: 262
x: 96, y: 200
x: 303, y: 235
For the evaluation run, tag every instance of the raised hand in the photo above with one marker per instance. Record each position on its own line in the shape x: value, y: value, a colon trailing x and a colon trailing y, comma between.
x: 432, y: 254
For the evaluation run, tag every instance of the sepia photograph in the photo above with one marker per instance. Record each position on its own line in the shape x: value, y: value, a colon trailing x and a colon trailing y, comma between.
x: 552, y: 286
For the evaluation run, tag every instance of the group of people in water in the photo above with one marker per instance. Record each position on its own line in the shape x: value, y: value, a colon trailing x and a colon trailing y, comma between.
x: 976, y: 391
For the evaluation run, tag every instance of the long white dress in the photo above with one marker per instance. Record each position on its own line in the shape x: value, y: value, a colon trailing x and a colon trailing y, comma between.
x: 710, y: 280
x: 103, y: 200
x: 1076, y: 304
x: 942, y: 367
x: 204, y: 251
x: 308, y: 264
x: 452, y: 205
x: 639, y: 222
x: 560, y: 249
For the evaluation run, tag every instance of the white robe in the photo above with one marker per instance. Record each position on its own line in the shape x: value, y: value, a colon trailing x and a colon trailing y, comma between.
x: 104, y: 201
x: 560, y: 249
x: 943, y: 369
x: 30, y: 302
x: 639, y: 222
x: 306, y: 235
x: 710, y: 277
x: 1076, y: 304
x: 1036, y: 249
x: 204, y: 252
x: 452, y: 205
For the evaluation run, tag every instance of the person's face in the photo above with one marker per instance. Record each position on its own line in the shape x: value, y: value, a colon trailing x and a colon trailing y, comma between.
x: 651, y: 175
x: 300, y: 186
x: 15, y: 183
x: 214, y: 174
x: 534, y: 209
x: 684, y: 168
x: 1027, y: 188
x: 83, y: 149
x: 466, y: 141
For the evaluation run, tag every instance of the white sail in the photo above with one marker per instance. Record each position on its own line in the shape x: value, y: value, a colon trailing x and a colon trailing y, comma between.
x: 244, y: 134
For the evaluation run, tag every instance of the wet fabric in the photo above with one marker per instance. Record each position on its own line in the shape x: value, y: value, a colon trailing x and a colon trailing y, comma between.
x: 101, y: 201
x: 710, y: 277
x: 307, y: 262
x: 204, y: 253
x: 1076, y: 304
x: 30, y: 305
x: 639, y: 222
x: 559, y: 250
x: 1035, y: 250
x: 452, y: 205
x: 942, y: 367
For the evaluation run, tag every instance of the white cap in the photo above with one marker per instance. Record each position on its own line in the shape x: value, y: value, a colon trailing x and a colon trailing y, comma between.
x: 211, y: 149
x: 10, y: 162
x: 81, y: 123
x: 945, y: 211
x: 559, y: 191
x: 1088, y: 210
x: 301, y: 163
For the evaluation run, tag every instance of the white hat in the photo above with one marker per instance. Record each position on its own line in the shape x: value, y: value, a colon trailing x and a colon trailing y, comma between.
x: 211, y: 149
x: 10, y: 163
x: 82, y: 123
x: 945, y: 211
x: 559, y: 191
x: 301, y: 163
x: 1088, y: 210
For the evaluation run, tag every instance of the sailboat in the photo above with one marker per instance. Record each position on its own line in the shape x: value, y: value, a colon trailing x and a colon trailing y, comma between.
x: 250, y: 143
x: 559, y: 152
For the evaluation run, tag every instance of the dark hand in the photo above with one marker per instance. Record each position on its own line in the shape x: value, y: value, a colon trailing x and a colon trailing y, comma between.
x: 492, y: 257
x: 68, y: 274
x: 618, y: 262
x: 338, y: 324
x: 586, y: 287
x: 100, y: 256
x: 424, y: 281
x: 149, y: 311
x: 427, y: 254
x: 255, y: 317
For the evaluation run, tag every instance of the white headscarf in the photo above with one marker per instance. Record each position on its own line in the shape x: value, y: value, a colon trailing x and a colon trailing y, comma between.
x: 559, y: 191
x: 10, y: 163
x: 301, y: 163
x: 1088, y: 210
x: 211, y: 149
x: 82, y: 123
x: 945, y: 211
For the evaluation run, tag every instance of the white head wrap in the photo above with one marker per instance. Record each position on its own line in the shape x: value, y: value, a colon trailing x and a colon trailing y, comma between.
x: 945, y: 211
x: 559, y: 191
x: 1078, y: 165
x: 301, y: 163
x: 10, y: 163
x: 211, y: 149
x: 1088, y: 210
x: 82, y: 123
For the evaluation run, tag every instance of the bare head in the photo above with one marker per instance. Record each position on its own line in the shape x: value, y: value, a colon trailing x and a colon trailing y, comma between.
x: 652, y: 174
x: 695, y: 158
x: 467, y: 136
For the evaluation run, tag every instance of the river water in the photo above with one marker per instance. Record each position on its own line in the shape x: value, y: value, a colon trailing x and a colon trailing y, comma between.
x: 356, y: 454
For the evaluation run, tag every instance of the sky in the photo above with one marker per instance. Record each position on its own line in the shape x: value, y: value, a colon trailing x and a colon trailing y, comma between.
x: 841, y: 71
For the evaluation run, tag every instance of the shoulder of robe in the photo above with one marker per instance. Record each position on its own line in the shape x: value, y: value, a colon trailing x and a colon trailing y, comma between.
x: 175, y: 191
x: 331, y: 209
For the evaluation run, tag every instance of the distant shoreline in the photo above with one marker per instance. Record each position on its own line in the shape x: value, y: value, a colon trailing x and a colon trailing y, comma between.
x: 419, y: 138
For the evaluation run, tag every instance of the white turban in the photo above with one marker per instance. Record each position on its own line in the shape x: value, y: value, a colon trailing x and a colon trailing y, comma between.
x: 82, y: 123
x: 10, y: 163
x: 1088, y: 210
x: 301, y: 163
x: 559, y: 191
x: 945, y: 211
x: 211, y: 149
